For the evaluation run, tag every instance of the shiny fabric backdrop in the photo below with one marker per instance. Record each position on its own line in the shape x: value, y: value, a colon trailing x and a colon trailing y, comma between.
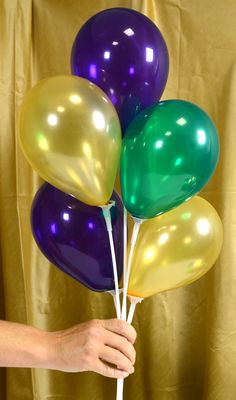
x: 186, y: 347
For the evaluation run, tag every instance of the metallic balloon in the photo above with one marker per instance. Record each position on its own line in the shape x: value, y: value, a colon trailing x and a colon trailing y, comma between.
x: 176, y: 248
x: 169, y: 153
x: 70, y: 133
x: 123, y: 52
x: 73, y: 236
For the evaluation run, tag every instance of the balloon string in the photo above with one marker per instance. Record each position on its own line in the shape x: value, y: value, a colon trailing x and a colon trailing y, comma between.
x: 133, y: 303
x: 125, y: 244
x: 113, y: 294
x: 120, y: 382
x: 137, y: 223
x: 107, y: 216
x: 131, y: 312
x: 119, y: 389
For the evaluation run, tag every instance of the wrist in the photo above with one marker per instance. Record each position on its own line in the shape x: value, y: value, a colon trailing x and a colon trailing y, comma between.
x: 38, y: 351
x: 49, y: 351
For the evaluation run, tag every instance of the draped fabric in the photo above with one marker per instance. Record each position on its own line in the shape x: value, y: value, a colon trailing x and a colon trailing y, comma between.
x: 186, y: 346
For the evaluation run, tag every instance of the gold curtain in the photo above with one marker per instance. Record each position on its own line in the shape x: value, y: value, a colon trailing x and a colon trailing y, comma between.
x: 186, y: 346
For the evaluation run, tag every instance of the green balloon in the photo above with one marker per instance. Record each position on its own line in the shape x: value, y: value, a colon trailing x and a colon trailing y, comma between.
x: 169, y: 152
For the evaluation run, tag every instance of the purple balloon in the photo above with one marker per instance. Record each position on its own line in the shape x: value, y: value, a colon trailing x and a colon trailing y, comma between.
x: 124, y: 53
x: 73, y: 236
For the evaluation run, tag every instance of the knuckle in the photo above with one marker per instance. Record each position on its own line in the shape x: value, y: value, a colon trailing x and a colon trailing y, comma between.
x: 87, y: 357
x: 94, y: 331
x: 128, y: 349
x: 126, y: 346
x: 128, y: 331
x: 112, y: 372
x: 122, y: 326
x: 133, y: 356
x: 118, y: 358
x: 88, y: 351
x: 95, y: 322
x: 133, y: 333
x: 124, y: 343
x: 108, y: 372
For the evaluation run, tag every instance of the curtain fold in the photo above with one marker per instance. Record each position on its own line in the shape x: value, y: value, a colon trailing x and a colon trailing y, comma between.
x: 186, y: 346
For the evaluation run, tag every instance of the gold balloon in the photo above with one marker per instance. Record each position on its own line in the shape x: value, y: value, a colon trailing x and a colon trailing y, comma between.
x: 176, y: 248
x: 70, y: 133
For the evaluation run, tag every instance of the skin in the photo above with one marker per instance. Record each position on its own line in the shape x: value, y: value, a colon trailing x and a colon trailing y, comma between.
x: 102, y: 346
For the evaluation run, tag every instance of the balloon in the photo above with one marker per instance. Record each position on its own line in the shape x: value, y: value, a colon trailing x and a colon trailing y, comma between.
x: 176, y: 248
x: 66, y: 126
x: 124, y: 53
x: 73, y: 236
x: 169, y: 153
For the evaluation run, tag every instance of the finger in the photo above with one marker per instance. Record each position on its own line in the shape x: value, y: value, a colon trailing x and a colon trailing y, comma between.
x: 111, y: 372
x: 120, y: 343
x: 115, y: 357
x: 121, y: 328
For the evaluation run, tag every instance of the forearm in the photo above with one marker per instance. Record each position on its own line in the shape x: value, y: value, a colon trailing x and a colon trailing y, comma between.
x: 24, y: 346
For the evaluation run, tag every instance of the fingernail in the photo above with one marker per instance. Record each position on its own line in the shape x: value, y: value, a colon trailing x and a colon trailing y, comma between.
x: 132, y: 370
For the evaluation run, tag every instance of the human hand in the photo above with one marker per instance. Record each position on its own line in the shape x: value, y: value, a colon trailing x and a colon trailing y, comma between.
x: 102, y: 346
